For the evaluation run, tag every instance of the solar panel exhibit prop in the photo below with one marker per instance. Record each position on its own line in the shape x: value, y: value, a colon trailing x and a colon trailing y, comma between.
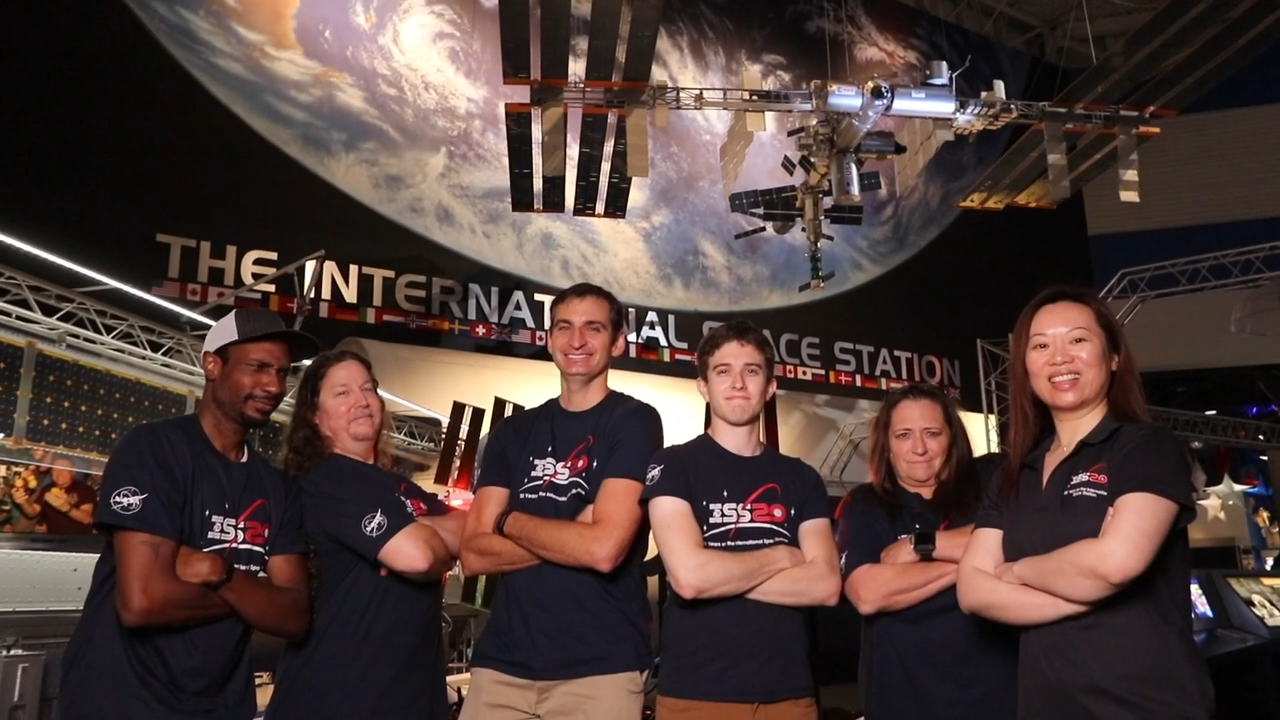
x: 1097, y: 124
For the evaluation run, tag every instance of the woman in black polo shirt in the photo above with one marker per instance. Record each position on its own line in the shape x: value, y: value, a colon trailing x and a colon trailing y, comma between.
x: 900, y: 537
x: 1085, y: 543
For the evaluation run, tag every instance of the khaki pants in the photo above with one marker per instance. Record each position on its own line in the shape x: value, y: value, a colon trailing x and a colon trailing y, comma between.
x: 495, y: 696
x: 676, y: 709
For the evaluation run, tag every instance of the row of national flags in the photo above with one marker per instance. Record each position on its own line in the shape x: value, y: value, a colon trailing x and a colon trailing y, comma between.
x: 495, y: 332
x: 289, y: 305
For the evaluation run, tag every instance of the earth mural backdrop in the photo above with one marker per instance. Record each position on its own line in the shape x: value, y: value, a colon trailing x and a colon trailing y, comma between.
x: 399, y: 103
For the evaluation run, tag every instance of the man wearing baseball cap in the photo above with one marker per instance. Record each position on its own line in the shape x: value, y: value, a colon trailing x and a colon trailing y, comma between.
x: 193, y: 518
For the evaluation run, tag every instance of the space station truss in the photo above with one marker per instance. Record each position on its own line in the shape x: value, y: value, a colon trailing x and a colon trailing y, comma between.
x: 65, y: 319
x: 1227, y: 270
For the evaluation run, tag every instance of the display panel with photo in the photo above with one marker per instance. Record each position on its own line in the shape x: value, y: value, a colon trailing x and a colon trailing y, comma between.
x: 1261, y: 595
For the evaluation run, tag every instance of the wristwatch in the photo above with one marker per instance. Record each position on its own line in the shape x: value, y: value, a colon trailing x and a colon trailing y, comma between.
x: 228, y: 571
x: 924, y: 542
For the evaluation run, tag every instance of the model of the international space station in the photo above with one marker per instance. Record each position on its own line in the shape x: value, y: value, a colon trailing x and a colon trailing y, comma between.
x: 1096, y: 124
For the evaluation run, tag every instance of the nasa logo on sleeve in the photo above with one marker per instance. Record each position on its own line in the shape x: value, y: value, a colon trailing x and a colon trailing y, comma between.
x: 127, y: 500
x: 652, y: 474
x: 374, y: 523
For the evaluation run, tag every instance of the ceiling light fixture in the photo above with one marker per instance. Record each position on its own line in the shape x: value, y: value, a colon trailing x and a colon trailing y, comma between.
x: 59, y: 260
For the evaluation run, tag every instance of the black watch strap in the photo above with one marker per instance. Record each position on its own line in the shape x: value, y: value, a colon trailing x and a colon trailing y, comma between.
x: 500, y: 524
x: 221, y: 582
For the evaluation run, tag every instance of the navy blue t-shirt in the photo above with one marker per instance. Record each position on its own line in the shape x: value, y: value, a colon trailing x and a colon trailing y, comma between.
x: 930, y: 660
x: 167, y: 479
x: 549, y: 621
x: 389, y: 628
x: 736, y: 649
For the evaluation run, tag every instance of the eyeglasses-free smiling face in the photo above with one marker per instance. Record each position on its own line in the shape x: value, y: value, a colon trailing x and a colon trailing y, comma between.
x: 919, y: 441
x: 1068, y: 361
x: 581, y: 340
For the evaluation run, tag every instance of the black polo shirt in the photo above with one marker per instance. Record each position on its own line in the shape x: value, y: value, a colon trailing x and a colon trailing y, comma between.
x: 930, y: 660
x: 1133, y: 655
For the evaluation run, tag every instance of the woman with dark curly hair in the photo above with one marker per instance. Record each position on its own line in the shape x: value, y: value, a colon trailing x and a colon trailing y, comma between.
x: 900, y: 539
x: 381, y: 545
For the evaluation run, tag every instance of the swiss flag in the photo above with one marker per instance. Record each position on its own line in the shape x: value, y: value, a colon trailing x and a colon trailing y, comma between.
x: 482, y: 330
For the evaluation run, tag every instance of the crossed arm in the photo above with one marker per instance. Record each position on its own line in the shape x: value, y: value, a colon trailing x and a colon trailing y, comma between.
x: 779, y: 574
x: 161, y: 584
x: 900, y: 580
x: 816, y: 581
x: 1068, y: 581
x: 597, y: 540
x: 425, y: 550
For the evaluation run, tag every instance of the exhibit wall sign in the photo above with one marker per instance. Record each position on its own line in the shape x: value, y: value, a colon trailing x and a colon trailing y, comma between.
x: 142, y: 174
x: 446, y: 312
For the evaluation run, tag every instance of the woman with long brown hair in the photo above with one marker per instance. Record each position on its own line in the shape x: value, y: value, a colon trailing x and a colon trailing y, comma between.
x: 1085, y: 542
x: 900, y: 537
x: 380, y: 546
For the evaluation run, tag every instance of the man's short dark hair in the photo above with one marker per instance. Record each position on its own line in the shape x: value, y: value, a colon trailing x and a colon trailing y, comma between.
x: 617, y: 317
x: 740, y: 331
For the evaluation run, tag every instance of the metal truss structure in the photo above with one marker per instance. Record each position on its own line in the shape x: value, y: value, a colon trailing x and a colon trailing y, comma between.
x: 58, y: 317
x: 993, y: 374
x: 1218, y: 429
x: 65, y: 318
x: 969, y: 115
x: 1229, y: 270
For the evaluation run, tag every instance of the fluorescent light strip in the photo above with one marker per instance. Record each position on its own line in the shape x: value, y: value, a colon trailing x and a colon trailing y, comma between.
x: 1210, y: 412
x: 58, y: 260
x: 413, y: 406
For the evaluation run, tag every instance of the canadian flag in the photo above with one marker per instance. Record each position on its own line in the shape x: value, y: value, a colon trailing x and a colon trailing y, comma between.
x: 194, y: 291
x: 789, y: 371
x: 540, y: 337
